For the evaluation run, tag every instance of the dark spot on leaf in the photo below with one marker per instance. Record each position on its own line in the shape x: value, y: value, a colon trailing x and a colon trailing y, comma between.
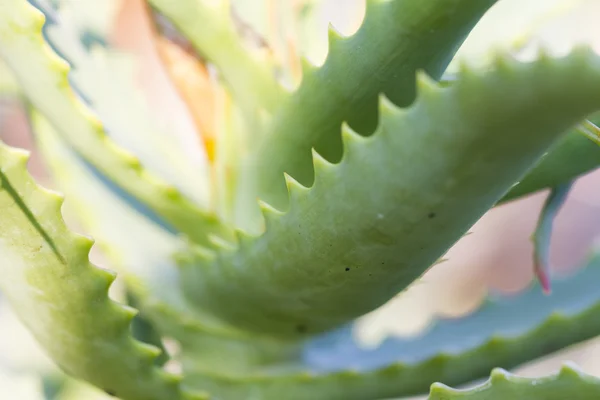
x: 431, y: 215
x: 347, y: 269
x: 90, y: 39
x: 301, y: 328
x: 110, y: 392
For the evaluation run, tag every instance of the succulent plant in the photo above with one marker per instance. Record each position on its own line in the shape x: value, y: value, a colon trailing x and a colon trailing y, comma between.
x: 318, y: 195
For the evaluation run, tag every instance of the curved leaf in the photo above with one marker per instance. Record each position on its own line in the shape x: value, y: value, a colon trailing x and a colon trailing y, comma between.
x: 107, y: 78
x: 506, y: 331
x: 410, y: 191
x: 570, y: 383
x: 543, y: 233
x: 63, y: 299
x: 144, y: 256
x: 44, y: 80
x: 396, y: 39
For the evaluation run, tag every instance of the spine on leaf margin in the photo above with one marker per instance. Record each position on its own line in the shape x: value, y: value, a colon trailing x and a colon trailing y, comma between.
x: 43, y: 77
x: 569, y: 383
x: 453, y: 351
x: 63, y: 299
x: 410, y: 191
x: 396, y: 39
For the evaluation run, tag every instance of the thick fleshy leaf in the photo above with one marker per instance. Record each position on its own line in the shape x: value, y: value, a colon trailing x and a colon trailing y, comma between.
x: 43, y: 77
x: 506, y: 331
x: 143, y: 254
x: 63, y: 299
x: 410, y: 192
x: 570, y: 383
x: 108, y: 80
x: 396, y: 39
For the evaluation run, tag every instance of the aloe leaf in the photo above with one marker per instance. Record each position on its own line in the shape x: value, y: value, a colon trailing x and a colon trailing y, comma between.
x: 251, y: 81
x: 543, y: 233
x: 144, y: 256
x: 143, y: 253
x: 396, y: 39
x: 506, y: 331
x: 43, y: 77
x: 573, y: 156
x: 63, y: 299
x: 570, y: 383
x: 410, y: 192
x: 107, y: 78
x: 570, y: 158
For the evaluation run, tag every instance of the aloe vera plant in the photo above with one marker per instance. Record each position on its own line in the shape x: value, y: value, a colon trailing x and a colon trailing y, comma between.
x: 308, y: 204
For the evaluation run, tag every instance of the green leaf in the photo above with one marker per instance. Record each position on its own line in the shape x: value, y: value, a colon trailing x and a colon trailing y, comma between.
x: 44, y: 81
x: 396, y: 39
x: 143, y: 254
x: 573, y: 156
x: 62, y: 299
x: 506, y: 331
x: 570, y: 383
x: 543, y: 233
x: 409, y: 193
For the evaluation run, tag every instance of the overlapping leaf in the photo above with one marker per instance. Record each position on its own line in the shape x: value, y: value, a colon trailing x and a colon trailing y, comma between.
x: 409, y: 192
x: 506, y: 332
x: 107, y: 78
x: 396, y: 39
x: 63, y: 299
x: 143, y: 254
x: 44, y: 80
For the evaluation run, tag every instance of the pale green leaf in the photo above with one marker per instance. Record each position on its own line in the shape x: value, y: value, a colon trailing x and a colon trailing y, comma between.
x: 44, y: 79
x: 108, y: 79
x: 143, y: 254
x: 63, y: 299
